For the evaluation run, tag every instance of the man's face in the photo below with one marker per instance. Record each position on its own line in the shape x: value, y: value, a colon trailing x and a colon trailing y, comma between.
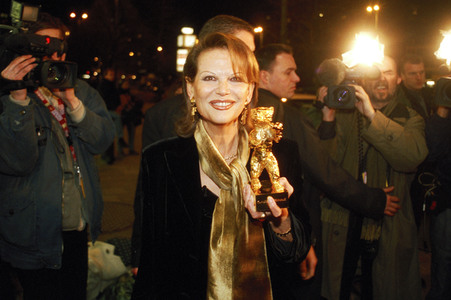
x: 247, y: 38
x: 54, y: 33
x: 281, y: 80
x: 413, y: 76
x: 381, y: 91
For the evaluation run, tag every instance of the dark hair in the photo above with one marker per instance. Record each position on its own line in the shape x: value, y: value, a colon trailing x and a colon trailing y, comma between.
x: 267, y: 55
x: 409, y: 58
x: 47, y: 21
x: 243, y: 61
x: 225, y: 24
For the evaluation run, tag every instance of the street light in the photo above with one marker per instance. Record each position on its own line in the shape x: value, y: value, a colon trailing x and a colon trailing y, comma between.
x: 259, y: 30
x: 78, y: 18
x: 185, y: 42
x: 375, y: 8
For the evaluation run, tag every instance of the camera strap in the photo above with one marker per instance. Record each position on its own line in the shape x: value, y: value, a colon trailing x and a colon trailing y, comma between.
x: 362, y: 156
x: 59, y: 113
x: 11, y: 85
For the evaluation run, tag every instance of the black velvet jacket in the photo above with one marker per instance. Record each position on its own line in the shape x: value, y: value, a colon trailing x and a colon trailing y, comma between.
x: 172, y: 265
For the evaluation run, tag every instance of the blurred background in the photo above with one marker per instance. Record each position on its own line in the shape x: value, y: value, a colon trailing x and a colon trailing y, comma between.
x: 139, y: 37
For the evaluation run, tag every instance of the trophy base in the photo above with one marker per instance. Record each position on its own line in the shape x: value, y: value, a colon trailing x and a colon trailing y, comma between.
x: 280, y: 198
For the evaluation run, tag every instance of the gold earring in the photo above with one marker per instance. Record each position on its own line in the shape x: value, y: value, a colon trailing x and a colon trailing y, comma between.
x: 243, y: 117
x: 193, y: 108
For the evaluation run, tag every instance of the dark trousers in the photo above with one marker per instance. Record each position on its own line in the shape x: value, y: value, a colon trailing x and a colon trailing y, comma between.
x: 441, y: 256
x: 69, y: 282
x: 356, y: 249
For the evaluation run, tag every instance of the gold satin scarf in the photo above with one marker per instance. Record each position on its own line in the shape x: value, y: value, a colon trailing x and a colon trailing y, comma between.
x: 237, y: 261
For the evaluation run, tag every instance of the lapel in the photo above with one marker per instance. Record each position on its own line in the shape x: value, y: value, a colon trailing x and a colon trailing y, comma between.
x: 183, y: 166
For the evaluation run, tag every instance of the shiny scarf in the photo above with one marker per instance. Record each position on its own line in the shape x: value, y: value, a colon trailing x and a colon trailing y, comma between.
x: 237, y: 261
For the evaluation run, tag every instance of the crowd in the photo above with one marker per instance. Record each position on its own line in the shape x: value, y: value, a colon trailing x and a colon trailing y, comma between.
x: 355, y: 183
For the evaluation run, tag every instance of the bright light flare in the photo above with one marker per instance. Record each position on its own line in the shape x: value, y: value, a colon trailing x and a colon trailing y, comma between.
x: 187, y: 30
x: 444, y: 51
x: 367, y: 50
x: 258, y: 29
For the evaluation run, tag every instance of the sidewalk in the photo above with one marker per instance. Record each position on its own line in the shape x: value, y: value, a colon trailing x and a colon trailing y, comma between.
x: 118, y: 182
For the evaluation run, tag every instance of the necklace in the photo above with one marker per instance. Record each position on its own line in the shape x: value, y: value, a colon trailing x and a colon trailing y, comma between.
x: 230, y: 157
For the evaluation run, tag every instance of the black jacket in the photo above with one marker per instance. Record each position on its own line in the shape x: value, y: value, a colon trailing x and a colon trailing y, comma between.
x: 172, y: 265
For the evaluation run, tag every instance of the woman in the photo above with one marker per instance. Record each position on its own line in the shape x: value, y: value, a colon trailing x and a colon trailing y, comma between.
x: 202, y: 237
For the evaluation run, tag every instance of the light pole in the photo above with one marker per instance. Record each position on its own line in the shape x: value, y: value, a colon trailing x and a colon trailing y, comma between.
x: 375, y: 8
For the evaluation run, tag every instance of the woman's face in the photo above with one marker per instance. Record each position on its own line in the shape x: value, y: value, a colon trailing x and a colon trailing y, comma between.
x: 219, y: 92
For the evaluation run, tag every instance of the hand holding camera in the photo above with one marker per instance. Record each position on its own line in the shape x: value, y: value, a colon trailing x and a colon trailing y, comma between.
x: 48, y: 69
x: 17, y: 70
x: 363, y: 103
x: 341, y: 81
x: 328, y: 113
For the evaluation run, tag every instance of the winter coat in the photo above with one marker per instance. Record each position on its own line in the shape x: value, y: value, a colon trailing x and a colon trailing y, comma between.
x: 394, y: 145
x: 31, y: 176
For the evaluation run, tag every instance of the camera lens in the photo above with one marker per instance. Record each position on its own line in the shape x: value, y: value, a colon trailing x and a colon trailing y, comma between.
x: 56, y: 73
x: 343, y: 96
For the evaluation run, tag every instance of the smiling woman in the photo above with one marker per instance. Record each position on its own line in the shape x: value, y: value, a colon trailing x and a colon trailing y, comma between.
x: 201, y: 234
x: 215, y: 71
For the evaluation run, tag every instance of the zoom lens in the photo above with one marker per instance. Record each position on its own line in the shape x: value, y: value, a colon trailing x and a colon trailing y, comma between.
x: 56, y: 73
x: 343, y: 96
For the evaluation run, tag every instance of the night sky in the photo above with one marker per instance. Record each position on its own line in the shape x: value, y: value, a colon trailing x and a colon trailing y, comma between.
x: 403, y: 25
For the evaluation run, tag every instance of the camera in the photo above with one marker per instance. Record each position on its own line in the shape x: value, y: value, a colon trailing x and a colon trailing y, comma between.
x: 340, y: 97
x: 334, y: 74
x: 443, y: 92
x: 51, y: 73
x: 13, y: 43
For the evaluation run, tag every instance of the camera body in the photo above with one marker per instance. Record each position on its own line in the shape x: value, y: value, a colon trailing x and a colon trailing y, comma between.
x: 443, y: 92
x: 51, y: 74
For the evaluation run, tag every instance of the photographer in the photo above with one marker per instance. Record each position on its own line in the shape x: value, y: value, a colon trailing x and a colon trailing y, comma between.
x: 49, y: 187
x: 380, y: 142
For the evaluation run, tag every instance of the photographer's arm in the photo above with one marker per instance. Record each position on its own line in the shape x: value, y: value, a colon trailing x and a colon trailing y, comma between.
x: 328, y: 113
x: 326, y: 129
x: 96, y: 129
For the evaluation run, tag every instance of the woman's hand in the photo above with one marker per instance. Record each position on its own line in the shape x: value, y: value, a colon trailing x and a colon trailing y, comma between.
x: 279, y: 218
